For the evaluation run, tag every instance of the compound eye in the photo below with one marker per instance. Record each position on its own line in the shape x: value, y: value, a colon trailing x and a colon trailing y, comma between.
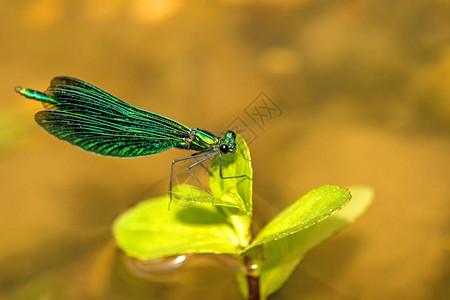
x: 224, y: 149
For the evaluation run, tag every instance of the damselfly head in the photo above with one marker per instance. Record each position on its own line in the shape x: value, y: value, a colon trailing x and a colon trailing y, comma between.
x: 228, y: 144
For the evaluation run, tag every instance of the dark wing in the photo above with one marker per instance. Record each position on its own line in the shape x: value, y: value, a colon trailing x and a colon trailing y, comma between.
x: 96, y: 121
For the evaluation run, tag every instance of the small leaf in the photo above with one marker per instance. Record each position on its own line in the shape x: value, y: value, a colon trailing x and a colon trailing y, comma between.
x: 283, y: 255
x: 234, y: 164
x: 231, y: 206
x: 149, y: 230
x: 189, y: 193
x: 310, y: 209
x: 235, y: 190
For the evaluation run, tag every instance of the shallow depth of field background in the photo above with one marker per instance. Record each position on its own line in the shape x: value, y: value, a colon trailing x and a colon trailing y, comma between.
x: 364, y: 89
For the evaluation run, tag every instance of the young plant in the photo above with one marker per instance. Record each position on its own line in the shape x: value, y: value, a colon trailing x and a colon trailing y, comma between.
x: 222, y: 225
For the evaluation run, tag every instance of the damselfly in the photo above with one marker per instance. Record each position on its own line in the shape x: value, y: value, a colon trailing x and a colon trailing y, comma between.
x: 96, y: 121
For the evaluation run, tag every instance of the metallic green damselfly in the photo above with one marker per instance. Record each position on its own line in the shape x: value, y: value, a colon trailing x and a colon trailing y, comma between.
x: 96, y: 121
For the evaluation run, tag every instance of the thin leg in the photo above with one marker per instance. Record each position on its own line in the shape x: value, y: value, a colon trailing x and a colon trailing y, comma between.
x: 202, y: 165
x: 201, y: 154
x: 188, y: 169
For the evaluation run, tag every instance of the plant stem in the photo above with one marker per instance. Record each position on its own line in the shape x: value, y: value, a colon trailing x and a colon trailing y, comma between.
x: 252, y: 266
x: 253, y: 287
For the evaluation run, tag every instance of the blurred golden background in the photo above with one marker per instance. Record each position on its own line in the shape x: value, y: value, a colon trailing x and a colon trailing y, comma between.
x: 363, y: 91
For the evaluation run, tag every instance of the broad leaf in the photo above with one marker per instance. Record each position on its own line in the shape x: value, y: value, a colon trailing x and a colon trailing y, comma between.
x: 189, y: 193
x: 232, y: 195
x: 310, y: 209
x: 150, y: 230
x: 283, y: 255
x: 234, y: 189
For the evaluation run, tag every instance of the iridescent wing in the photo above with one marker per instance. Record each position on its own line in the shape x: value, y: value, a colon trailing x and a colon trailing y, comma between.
x: 96, y: 121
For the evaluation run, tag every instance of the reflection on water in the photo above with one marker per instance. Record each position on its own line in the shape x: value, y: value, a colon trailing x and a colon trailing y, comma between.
x: 364, y: 89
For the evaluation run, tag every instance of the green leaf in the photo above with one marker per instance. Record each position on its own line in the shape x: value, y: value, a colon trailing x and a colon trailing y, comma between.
x: 189, y: 193
x: 310, y: 209
x: 238, y: 190
x: 232, y: 195
x: 150, y: 230
x: 283, y: 255
x: 231, y: 207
